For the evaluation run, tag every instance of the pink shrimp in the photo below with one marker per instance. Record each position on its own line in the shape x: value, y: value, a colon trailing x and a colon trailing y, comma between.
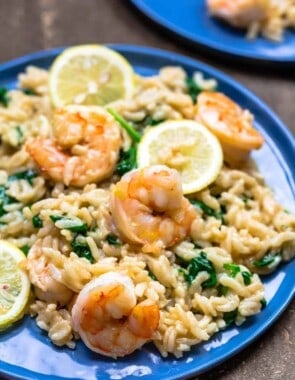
x: 240, y: 13
x: 85, y: 148
x: 108, y: 318
x: 149, y: 209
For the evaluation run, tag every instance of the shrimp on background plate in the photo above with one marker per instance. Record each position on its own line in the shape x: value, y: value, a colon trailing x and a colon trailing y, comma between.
x: 232, y: 125
x: 108, y: 318
x: 148, y: 208
x: 85, y: 148
x: 240, y: 13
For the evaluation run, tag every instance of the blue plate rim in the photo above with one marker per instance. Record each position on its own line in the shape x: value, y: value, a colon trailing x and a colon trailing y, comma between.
x: 207, y: 44
x: 25, y: 374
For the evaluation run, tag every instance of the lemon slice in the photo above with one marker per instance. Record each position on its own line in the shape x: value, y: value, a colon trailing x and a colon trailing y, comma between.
x: 90, y: 74
x: 186, y: 146
x: 14, y: 284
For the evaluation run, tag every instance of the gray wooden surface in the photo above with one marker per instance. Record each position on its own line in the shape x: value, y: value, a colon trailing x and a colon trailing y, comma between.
x: 30, y: 25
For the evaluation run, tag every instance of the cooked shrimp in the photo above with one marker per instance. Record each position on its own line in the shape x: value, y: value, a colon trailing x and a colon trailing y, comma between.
x: 148, y: 208
x: 232, y: 125
x: 46, y: 287
x: 108, y: 319
x: 85, y: 148
x: 240, y: 13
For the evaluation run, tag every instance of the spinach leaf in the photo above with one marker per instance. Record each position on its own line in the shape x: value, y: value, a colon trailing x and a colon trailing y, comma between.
x: 4, y: 200
x: 197, y: 246
x: 27, y: 175
x: 29, y: 91
x: 182, y: 272
x: 37, y: 221
x: 152, y: 276
x: 81, y: 248
x: 222, y: 290
x: 232, y: 268
x: 148, y: 121
x: 71, y: 224
x: 127, y: 161
x: 245, y: 198
x: 246, y: 277
x: 268, y: 260
x: 20, y: 135
x: 113, y: 240
x: 4, y: 97
x: 201, y: 264
x: 208, y: 210
x: 192, y: 88
x: 230, y: 317
x: 25, y: 249
x: 125, y: 125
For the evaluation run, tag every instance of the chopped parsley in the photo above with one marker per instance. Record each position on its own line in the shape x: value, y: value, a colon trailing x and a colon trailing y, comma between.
x: 113, y: 240
x: 127, y: 160
x: 263, y: 303
x: 4, y: 97
x: 81, y: 248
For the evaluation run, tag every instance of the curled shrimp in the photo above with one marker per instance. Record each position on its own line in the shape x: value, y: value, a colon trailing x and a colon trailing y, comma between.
x: 85, y: 148
x: 109, y: 320
x: 46, y: 287
x: 240, y: 13
x: 148, y: 208
x: 232, y: 125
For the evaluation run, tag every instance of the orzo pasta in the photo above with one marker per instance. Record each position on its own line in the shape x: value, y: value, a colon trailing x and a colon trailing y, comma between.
x: 181, y: 267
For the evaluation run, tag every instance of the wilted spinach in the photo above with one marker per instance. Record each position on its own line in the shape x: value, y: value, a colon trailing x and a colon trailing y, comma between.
x: 81, y: 248
x: 127, y: 160
x: 219, y: 214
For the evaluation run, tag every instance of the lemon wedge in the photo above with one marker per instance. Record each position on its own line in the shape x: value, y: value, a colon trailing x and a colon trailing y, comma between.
x: 186, y: 146
x: 14, y: 284
x: 90, y: 75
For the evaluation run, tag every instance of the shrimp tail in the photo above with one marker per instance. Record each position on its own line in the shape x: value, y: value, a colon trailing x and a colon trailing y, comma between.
x: 144, y: 319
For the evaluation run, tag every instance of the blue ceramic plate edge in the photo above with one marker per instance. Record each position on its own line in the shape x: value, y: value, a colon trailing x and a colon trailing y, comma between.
x: 210, y: 45
x: 25, y: 374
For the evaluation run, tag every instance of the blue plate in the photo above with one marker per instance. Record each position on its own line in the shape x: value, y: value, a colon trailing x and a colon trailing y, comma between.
x: 189, y: 20
x: 26, y: 352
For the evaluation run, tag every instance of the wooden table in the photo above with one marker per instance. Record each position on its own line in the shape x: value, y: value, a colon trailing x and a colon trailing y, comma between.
x: 30, y: 25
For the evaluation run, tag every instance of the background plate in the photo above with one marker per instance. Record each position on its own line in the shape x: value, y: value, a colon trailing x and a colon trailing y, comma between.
x: 189, y: 20
x: 25, y: 351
